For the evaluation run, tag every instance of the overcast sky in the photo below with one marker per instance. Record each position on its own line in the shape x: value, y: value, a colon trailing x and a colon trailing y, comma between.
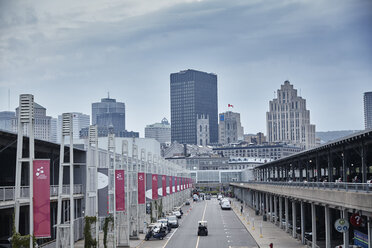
x: 71, y: 53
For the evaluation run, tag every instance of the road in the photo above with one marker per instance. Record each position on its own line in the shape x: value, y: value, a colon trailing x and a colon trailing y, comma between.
x: 224, y: 229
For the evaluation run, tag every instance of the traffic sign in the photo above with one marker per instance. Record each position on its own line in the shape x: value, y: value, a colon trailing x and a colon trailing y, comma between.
x: 341, y: 225
x: 356, y: 220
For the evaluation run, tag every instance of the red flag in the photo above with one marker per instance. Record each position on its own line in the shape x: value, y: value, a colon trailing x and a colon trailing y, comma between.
x: 141, y: 188
x: 164, y: 184
x: 154, y: 186
x: 41, y: 192
x: 119, y: 190
x: 170, y: 185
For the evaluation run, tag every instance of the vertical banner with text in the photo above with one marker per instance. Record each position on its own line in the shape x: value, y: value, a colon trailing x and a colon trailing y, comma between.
x: 41, y: 200
x: 141, y: 188
x: 154, y: 186
x: 119, y: 190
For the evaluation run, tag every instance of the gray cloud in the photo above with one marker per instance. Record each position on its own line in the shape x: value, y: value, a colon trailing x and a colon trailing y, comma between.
x: 71, y: 54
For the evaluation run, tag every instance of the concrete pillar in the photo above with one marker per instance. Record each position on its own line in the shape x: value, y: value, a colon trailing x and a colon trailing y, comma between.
x: 330, y: 167
x: 369, y: 227
x: 286, y: 213
x: 294, y: 219
x: 327, y: 227
x: 344, y: 161
x: 271, y: 208
x: 267, y: 203
x: 275, y: 209
x: 280, y: 211
x: 301, y: 170
x: 302, y: 222
x: 345, y: 234
x: 363, y: 160
x: 318, y: 170
x: 313, y: 224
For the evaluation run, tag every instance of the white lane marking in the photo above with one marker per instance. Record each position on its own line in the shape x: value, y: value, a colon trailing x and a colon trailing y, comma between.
x: 170, y: 238
x: 205, y: 208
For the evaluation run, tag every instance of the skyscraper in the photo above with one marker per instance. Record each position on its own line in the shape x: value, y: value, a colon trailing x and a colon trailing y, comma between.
x: 6, y: 120
x: 108, y: 113
x: 193, y: 93
x: 230, y: 128
x: 368, y: 110
x: 79, y: 121
x: 288, y: 120
x: 42, y: 128
x: 159, y: 131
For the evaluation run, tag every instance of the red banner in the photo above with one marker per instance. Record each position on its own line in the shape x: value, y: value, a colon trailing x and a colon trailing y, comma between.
x: 141, y: 188
x: 154, y: 186
x: 175, y: 184
x: 164, y: 184
x: 41, y: 192
x: 170, y: 185
x: 119, y: 190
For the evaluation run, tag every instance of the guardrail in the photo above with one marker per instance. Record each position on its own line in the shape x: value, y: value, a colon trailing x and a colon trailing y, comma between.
x: 366, y: 187
x: 8, y: 193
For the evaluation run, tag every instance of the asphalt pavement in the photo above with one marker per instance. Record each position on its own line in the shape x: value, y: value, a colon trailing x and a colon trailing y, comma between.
x: 225, y: 230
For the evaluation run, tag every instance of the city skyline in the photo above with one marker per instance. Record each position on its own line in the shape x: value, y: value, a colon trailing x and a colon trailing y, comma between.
x: 73, y: 53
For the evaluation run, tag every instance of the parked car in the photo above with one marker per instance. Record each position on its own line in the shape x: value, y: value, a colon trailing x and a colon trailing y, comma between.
x: 219, y: 197
x: 177, y: 213
x: 165, y: 223
x: 156, y: 231
x: 224, y: 200
x: 208, y: 197
x: 187, y: 203
x: 173, y: 221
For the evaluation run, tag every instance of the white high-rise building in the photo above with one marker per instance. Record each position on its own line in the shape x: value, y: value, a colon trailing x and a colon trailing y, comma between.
x: 288, y: 120
x: 159, y: 131
x: 42, y: 127
x: 230, y: 129
x: 79, y: 121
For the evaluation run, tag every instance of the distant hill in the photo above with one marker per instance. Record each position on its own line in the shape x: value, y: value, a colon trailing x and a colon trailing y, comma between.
x: 333, y: 135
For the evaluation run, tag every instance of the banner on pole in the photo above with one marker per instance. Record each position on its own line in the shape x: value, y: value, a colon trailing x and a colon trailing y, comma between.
x: 119, y: 190
x: 154, y: 186
x: 141, y: 188
x: 160, y: 186
x: 41, y: 200
x: 170, y: 185
x: 164, y: 184
x: 175, y: 184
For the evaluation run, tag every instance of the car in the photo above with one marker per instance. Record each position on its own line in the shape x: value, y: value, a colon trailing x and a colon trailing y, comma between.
x: 173, y: 221
x: 165, y: 223
x: 225, y: 205
x: 187, y: 203
x: 202, y: 228
x: 177, y: 213
x: 156, y: 231
x: 208, y: 197
x: 224, y: 200
x: 219, y: 197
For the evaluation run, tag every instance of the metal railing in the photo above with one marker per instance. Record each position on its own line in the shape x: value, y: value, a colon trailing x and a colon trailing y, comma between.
x: 7, y: 193
x: 365, y: 187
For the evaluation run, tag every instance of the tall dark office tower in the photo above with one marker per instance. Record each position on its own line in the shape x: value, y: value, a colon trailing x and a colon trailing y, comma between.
x: 368, y: 110
x: 108, y: 113
x: 193, y: 94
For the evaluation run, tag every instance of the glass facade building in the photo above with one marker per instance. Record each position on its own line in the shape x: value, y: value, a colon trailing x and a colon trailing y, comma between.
x: 193, y: 93
x: 108, y: 113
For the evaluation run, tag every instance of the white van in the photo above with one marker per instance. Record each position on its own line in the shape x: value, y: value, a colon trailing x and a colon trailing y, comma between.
x: 225, y: 205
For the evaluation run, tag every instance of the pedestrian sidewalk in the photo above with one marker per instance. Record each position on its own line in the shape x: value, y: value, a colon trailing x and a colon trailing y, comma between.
x: 132, y: 243
x: 264, y: 232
